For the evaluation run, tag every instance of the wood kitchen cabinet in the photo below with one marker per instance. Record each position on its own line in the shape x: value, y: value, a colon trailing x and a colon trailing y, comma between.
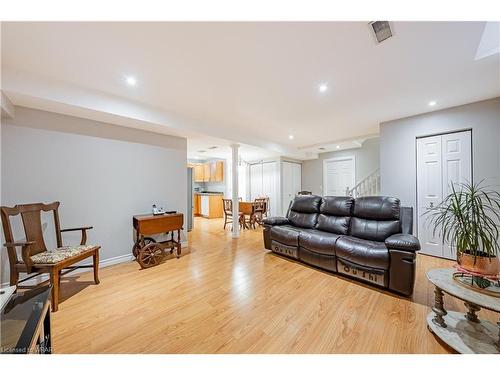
x: 196, y: 205
x: 198, y: 173
x: 206, y: 172
x: 209, y: 171
x: 208, y: 205
x: 217, y: 171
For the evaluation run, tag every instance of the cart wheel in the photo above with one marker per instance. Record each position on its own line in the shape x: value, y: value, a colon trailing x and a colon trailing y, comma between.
x: 150, y: 255
x: 137, y: 245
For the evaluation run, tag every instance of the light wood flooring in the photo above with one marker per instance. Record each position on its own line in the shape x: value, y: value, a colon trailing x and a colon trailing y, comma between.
x: 232, y: 296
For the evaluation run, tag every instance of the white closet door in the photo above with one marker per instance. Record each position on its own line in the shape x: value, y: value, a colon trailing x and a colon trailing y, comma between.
x: 291, y: 183
x: 442, y: 161
x: 255, y: 181
x: 457, y: 168
x: 429, y: 190
x: 338, y: 175
x: 269, y: 185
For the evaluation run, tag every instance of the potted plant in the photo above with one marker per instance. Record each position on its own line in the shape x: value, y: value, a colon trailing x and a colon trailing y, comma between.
x: 468, y: 219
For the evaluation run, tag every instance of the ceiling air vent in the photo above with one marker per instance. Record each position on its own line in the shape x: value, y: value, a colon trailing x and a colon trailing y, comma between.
x: 381, y: 30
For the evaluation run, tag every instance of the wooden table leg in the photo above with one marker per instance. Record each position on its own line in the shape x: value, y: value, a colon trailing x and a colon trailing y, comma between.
x: 498, y: 342
x: 178, y: 243
x: 471, y: 313
x: 438, y: 307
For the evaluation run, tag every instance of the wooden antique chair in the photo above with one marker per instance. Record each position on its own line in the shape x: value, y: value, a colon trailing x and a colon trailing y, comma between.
x: 259, y: 211
x: 228, y: 211
x: 35, y: 258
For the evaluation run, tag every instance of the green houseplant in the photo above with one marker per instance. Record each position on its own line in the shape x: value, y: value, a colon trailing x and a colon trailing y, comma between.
x: 468, y: 220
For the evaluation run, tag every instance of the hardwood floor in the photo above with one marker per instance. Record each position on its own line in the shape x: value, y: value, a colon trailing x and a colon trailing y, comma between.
x: 232, y: 296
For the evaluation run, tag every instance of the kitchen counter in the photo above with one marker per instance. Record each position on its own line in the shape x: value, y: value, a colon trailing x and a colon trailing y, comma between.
x: 208, y: 193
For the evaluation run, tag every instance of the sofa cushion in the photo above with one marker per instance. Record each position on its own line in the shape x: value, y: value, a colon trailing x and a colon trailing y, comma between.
x: 303, y: 220
x: 375, y: 230
x: 337, y: 206
x: 285, y: 234
x: 318, y: 241
x: 306, y: 204
x: 377, y: 208
x: 363, y: 252
x: 333, y: 224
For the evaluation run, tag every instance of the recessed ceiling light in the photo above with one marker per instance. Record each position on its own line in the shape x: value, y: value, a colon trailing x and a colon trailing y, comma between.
x: 432, y: 103
x: 337, y: 146
x: 131, y: 81
x: 323, y: 88
x: 321, y: 148
x: 290, y: 136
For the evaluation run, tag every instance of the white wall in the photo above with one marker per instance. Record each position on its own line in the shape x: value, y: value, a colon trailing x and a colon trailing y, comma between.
x: 367, y: 161
x: 398, y: 140
x: 102, y: 174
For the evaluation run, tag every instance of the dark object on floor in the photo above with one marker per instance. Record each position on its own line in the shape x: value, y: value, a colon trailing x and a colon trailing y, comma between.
x: 35, y: 258
x: 368, y: 238
x: 25, y: 323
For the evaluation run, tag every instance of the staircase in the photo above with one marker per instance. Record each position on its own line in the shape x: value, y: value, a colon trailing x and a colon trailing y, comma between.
x: 370, y: 185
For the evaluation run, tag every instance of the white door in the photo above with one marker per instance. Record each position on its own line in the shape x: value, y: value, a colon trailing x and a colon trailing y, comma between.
x: 338, y: 176
x: 442, y: 160
x: 255, y: 181
x: 429, y: 190
x: 291, y: 183
x: 269, y: 185
x: 457, y: 168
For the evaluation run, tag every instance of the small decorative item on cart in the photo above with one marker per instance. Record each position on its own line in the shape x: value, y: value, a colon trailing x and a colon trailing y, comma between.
x: 157, y: 211
x: 148, y: 251
x: 468, y: 220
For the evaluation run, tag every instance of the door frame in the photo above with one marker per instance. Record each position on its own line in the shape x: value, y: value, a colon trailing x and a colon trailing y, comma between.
x: 416, y: 166
x: 339, y: 158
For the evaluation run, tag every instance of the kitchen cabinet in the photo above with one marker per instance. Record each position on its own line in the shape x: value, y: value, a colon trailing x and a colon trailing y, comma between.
x: 198, y: 173
x: 206, y: 172
x: 217, y: 171
x: 208, y: 205
x: 209, y: 171
x: 197, y: 204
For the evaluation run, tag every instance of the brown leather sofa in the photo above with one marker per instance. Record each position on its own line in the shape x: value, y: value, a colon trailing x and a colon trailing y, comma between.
x: 368, y: 238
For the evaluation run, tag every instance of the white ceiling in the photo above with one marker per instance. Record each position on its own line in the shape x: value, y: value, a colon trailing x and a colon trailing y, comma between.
x: 252, y: 83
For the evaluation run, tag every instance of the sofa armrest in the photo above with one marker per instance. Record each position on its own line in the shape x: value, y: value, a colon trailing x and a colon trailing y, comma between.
x: 405, y: 242
x: 276, y: 221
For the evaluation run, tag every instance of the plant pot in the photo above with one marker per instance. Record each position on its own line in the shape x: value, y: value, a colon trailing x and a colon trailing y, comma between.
x: 483, y: 265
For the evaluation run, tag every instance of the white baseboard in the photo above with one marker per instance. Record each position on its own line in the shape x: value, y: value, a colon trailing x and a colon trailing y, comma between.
x: 102, y: 264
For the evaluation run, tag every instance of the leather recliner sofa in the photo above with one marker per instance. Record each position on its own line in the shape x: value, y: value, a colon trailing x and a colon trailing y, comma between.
x: 368, y: 238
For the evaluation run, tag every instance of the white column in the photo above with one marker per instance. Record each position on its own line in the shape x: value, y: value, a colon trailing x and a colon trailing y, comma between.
x: 236, y: 202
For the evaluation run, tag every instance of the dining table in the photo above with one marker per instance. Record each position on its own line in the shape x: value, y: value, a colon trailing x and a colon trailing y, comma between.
x: 245, y: 208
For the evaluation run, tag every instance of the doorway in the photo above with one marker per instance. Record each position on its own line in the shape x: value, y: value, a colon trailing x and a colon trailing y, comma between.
x: 442, y: 161
x: 339, y: 175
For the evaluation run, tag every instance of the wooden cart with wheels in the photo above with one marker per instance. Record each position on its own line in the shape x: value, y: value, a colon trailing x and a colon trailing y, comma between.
x: 147, y: 251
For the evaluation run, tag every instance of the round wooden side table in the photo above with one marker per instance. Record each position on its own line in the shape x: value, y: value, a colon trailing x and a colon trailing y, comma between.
x: 463, y: 332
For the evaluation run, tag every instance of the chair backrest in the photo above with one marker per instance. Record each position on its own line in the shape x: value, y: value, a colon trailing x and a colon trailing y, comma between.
x: 228, y: 206
x: 259, y: 205
x: 31, y: 217
x: 265, y: 200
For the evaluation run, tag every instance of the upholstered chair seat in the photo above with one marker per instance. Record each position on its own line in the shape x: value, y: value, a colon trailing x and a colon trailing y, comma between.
x: 60, y: 254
